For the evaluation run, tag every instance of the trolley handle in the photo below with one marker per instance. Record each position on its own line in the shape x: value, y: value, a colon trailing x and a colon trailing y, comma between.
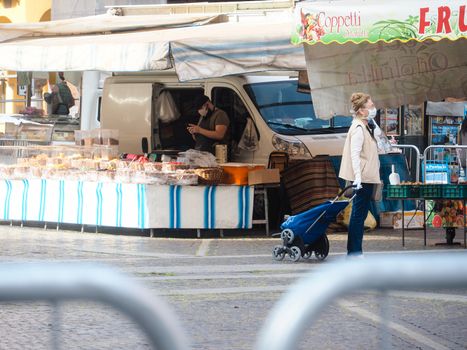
x: 343, y: 192
x: 346, y: 189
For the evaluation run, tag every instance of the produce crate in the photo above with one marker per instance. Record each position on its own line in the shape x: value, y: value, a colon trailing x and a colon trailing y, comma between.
x: 455, y: 191
x: 432, y: 191
x: 403, y: 191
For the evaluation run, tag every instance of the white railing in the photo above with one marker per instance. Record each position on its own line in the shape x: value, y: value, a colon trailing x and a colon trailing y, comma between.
x: 418, y: 158
x: 58, y: 283
x: 303, y: 303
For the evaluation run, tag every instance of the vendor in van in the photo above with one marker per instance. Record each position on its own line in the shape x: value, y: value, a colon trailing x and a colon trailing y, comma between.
x: 212, y: 127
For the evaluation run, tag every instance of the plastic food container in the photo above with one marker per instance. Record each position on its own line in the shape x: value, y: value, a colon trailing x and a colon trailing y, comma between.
x: 107, y: 153
x: 87, y: 138
x: 237, y: 173
x: 79, y: 137
x: 109, y: 137
x: 106, y: 137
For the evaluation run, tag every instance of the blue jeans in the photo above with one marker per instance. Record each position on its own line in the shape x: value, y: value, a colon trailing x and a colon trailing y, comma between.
x: 360, y: 207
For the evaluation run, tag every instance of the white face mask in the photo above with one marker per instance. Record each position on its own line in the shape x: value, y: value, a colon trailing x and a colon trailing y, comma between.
x: 203, y: 111
x: 371, y: 113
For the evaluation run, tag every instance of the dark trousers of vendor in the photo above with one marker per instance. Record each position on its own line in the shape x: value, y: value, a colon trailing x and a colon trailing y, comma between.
x: 360, y: 208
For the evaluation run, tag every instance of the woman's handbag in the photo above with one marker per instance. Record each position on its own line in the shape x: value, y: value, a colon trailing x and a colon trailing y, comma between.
x: 377, y: 194
x: 350, y: 191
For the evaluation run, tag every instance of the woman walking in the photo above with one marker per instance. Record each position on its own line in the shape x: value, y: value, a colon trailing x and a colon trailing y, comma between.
x: 360, y: 165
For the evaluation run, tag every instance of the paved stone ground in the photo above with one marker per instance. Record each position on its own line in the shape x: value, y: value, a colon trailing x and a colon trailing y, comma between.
x: 222, y: 291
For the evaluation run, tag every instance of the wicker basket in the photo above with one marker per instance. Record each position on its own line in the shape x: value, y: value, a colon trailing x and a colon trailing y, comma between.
x: 210, y: 176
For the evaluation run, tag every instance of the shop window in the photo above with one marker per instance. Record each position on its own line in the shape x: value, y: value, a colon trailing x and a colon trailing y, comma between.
x: 10, y: 101
x: 229, y: 101
x: 175, y: 135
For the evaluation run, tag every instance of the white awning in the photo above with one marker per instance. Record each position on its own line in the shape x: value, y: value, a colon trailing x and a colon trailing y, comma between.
x: 198, y: 51
x: 147, y: 50
x: 104, y: 24
x: 236, y: 48
x: 393, y: 74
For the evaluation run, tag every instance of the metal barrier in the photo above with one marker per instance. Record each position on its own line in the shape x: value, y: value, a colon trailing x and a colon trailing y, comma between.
x: 410, y: 158
x: 65, y: 282
x: 303, y: 302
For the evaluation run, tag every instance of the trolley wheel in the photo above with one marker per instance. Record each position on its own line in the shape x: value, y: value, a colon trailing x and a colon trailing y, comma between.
x: 278, y: 253
x: 287, y: 236
x: 295, y: 253
x: 307, y: 254
x: 322, y: 248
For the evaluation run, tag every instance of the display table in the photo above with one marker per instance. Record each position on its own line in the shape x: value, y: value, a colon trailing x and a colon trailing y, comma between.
x: 126, y: 205
x: 426, y: 192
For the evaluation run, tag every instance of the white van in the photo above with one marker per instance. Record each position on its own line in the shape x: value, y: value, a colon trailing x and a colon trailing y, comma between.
x: 283, y: 117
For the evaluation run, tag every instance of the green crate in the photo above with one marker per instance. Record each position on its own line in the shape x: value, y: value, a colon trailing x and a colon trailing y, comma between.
x: 432, y: 191
x: 455, y: 191
x: 403, y: 191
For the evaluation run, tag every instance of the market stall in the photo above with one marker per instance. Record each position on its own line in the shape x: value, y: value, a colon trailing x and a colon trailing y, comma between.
x: 87, y: 184
x: 129, y: 205
x: 165, y: 192
x: 401, y: 53
x: 20, y: 129
x: 426, y: 192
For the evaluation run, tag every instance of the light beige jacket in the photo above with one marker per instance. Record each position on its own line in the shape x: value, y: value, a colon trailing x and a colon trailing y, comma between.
x: 369, y: 160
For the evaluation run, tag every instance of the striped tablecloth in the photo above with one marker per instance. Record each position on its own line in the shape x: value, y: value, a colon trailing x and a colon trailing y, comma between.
x: 126, y: 205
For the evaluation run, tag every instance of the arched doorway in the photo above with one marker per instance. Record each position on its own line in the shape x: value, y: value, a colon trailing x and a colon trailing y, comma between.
x: 46, y: 16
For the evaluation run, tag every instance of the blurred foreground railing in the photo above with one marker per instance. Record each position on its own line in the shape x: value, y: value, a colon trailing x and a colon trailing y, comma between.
x: 301, y: 305
x: 57, y: 283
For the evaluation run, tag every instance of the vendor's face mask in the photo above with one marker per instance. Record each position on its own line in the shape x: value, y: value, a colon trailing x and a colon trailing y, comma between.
x: 203, y: 111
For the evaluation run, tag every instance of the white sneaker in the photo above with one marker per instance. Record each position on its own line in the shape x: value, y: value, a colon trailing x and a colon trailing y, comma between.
x: 355, y: 256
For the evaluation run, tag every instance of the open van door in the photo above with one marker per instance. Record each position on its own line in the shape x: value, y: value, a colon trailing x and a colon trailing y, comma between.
x: 127, y: 107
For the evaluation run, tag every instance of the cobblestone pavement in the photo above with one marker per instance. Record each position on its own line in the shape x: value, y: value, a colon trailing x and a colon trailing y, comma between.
x: 222, y: 290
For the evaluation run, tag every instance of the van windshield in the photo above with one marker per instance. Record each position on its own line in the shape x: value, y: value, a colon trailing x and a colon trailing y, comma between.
x: 290, y: 112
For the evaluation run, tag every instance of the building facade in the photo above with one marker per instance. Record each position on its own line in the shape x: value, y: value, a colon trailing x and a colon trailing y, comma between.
x: 13, y: 96
x: 62, y: 9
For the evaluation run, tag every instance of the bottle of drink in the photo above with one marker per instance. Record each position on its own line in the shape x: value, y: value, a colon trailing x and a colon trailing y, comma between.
x: 394, y: 178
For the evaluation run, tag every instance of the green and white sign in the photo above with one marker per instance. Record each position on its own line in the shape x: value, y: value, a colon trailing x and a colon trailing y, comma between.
x: 373, y: 21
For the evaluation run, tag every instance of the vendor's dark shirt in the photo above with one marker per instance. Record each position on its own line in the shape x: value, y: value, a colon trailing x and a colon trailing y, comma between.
x: 218, y: 117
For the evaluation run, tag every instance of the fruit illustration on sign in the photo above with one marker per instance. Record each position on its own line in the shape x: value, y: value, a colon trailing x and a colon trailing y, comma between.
x: 311, y: 30
x: 437, y: 221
